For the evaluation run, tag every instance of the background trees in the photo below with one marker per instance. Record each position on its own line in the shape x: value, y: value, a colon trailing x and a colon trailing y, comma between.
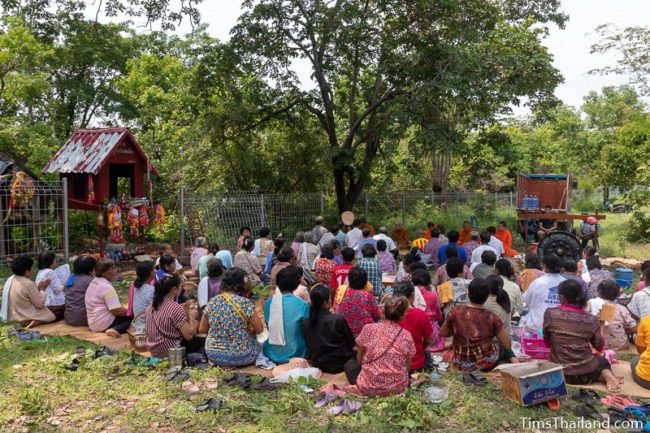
x: 399, y: 96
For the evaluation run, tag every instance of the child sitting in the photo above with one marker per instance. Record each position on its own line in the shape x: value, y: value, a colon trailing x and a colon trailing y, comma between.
x: 422, y: 281
x: 616, y: 329
x: 474, y: 329
x: 416, y: 322
x: 571, y: 332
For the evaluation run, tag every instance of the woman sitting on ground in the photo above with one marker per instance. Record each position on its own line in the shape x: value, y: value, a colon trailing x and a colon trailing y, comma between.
x: 358, y: 307
x: 324, y: 265
x: 231, y: 322
x: 54, y: 294
x: 596, y: 275
x: 640, y: 365
x: 284, y: 313
x: 386, y: 259
x: 103, y: 308
x: 245, y: 260
x: 210, y: 286
x: 167, y: 266
x: 143, y: 293
x: 384, y: 353
x: 421, y: 279
x: 503, y: 268
x: 330, y: 342
x: 532, y: 272
x: 571, y: 332
x: 75, y: 294
x: 23, y: 301
x: 202, y: 265
x: 272, y: 257
x: 416, y: 322
x: 615, y: 331
x: 168, y: 324
x: 474, y: 330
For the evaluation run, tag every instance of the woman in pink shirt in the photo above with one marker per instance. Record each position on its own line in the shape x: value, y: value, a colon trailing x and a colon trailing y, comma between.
x: 421, y: 279
x: 103, y: 308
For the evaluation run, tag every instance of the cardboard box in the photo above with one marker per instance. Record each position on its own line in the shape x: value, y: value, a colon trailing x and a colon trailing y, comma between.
x: 532, y: 382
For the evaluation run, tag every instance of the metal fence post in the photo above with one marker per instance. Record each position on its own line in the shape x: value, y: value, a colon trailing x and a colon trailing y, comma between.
x: 262, y: 211
x: 182, y: 210
x: 433, y: 199
x: 511, y: 205
x: 66, y: 243
x: 322, y: 204
x: 403, y: 209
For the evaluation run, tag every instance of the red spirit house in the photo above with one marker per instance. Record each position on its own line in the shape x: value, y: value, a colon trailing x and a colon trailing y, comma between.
x: 107, y: 160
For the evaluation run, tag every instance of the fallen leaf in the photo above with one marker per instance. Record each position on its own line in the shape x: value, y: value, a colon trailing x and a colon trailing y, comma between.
x: 17, y: 366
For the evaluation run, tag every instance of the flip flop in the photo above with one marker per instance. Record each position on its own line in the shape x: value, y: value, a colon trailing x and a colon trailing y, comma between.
x: 325, y: 398
x: 211, y: 404
x: 172, y: 373
x: 211, y: 383
x: 104, y: 351
x: 587, y: 411
x: 74, y: 364
x: 345, y: 407
x: 266, y: 385
x: 553, y: 405
x: 585, y: 396
x: 190, y: 387
x: 238, y: 379
x: 618, y: 401
x: 474, y: 378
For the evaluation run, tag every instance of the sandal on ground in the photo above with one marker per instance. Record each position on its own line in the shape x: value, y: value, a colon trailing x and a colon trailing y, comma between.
x: 104, y: 351
x: 74, y: 364
x: 585, y: 396
x: 325, y: 398
x: 553, y: 404
x: 172, y: 373
x: 266, y: 385
x: 618, y: 401
x: 190, y: 387
x: 238, y: 379
x: 211, y: 383
x: 587, y: 411
x: 474, y: 378
x: 211, y: 404
x: 344, y: 407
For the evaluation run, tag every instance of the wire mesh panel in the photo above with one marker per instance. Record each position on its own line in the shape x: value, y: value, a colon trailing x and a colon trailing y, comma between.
x: 31, y: 221
x: 219, y: 218
x: 222, y: 216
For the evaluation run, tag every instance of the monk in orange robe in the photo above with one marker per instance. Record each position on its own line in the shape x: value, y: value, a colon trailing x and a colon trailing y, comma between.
x: 366, y: 225
x: 504, y: 235
x: 466, y: 233
x: 400, y: 236
x: 427, y: 232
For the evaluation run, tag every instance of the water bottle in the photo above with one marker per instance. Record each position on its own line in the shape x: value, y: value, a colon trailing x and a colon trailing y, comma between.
x: 524, y: 202
x: 534, y: 202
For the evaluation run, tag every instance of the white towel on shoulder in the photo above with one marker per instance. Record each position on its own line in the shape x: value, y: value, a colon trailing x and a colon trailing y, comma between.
x: 4, y: 308
x: 418, y: 300
x: 276, y: 324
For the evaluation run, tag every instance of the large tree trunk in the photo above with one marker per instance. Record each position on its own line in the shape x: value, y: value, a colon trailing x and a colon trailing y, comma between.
x: 441, y: 164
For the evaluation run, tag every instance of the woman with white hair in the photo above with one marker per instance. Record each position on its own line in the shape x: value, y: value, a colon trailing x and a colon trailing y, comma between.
x: 199, y: 251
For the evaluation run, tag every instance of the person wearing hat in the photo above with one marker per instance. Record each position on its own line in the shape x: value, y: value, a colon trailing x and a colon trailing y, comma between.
x: 319, y: 230
x: 588, y: 231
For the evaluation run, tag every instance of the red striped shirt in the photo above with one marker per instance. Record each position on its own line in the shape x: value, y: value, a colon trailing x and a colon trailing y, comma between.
x: 164, y: 327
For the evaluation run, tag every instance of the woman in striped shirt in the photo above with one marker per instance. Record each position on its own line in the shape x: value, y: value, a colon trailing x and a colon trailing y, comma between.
x: 168, y: 324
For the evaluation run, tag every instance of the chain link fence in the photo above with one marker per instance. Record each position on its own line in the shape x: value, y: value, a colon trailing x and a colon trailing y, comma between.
x: 32, y: 224
x: 219, y: 218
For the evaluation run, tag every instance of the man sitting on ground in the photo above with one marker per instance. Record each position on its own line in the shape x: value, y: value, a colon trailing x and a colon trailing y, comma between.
x: 495, y: 243
x: 367, y: 239
x: 486, y: 267
x: 453, y: 242
x: 476, y: 254
x: 469, y: 247
x: 373, y: 269
x: 432, y: 247
x: 546, y: 226
x: 383, y: 236
x: 420, y: 241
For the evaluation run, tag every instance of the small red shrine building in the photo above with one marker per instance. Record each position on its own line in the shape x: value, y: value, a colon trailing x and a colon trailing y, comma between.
x: 110, y: 160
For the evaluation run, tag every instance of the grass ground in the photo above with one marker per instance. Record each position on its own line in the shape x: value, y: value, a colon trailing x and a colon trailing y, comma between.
x: 40, y: 395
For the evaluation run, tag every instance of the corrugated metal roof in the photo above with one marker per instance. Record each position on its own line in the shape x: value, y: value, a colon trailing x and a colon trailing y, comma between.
x: 87, y: 150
